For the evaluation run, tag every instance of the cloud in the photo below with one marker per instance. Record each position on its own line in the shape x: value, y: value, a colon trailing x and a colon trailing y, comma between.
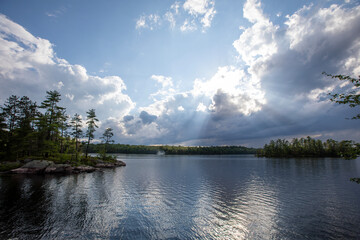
x: 29, y: 66
x: 257, y: 43
x: 169, y: 16
x: 147, y: 118
x: 188, y: 26
x: 203, y: 8
x: 198, y: 14
x: 56, y: 13
x: 150, y: 21
x: 277, y: 90
x: 141, y: 22
x: 231, y: 92
x: 164, y: 81
x: 201, y: 107
x: 326, y: 33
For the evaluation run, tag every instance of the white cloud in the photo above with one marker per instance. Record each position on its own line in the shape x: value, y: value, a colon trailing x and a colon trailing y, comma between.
x: 195, y: 12
x: 29, y: 66
x: 256, y: 43
x: 59, y: 85
x: 166, y: 89
x: 188, y: 26
x: 169, y: 16
x: 14, y: 56
x: 70, y: 96
x: 277, y: 90
x: 175, y: 7
x: 201, y: 8
x: 232, y: 87
x: 201, y: 107
x: 208, y: 17
x: 311, y: 30
x: 196, y: 7
x: 164, y: 81
x: 150, y: 21
x: 275, y: 93
x: 141, y: 22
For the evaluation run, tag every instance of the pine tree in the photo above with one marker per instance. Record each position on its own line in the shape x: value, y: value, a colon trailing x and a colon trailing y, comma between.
x: 11, y: 112
x: 51, y: 122
x: 77, y: 132
x: 11, y: 116
x: 91, y: 123
x: 25, y: 126
x: 107, y: 135
x: 3, y: 136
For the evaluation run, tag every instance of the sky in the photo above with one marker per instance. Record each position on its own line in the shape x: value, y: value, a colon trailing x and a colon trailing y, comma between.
x: 190, y: 72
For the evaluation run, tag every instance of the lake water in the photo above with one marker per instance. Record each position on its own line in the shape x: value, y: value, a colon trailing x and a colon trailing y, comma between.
x: 188, y: 197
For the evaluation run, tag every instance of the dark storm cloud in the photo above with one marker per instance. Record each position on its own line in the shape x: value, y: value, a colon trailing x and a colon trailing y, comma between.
x: 128, y: 118
x: 147, y: 118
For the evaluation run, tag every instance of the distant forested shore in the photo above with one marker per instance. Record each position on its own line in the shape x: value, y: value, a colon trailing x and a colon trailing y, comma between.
x: 309, y: 147
x: 172, y: 150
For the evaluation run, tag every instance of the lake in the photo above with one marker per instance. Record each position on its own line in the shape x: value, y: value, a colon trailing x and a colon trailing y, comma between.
x: 188, y: 197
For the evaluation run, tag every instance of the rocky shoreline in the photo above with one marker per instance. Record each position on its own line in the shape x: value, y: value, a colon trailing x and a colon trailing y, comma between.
x: 49, y: 167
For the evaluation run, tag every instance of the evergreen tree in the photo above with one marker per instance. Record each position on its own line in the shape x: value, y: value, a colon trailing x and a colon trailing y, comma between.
x: 63, y: 126
x: 11, y: 112
x: 107, y: 135
x: 51, y: 121
x: 77, y: 132
x: 3, y: 136
x: 91, y: 123
x: 11, y: 116
x: 25, y: 138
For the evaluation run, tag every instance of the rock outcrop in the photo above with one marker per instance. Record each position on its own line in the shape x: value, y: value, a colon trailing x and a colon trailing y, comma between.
x: 35, y: 166
x: 49, y: 167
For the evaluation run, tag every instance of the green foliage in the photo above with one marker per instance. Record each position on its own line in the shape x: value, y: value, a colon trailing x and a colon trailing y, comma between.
x: 107, y: 135
x: 7, y: 166
x: 352, y: 97
x: 91, y: 123
x: 309, y: 147
x: 27, y: 133
x: 357, y: 180
x: 172, y: 150
x: 77, y: 132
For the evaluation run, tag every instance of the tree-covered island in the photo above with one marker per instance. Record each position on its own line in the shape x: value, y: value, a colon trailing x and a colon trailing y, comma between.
x: 43, y: 138
x: 309, y: 147
x: 46, y: 139
x: 61, y: 143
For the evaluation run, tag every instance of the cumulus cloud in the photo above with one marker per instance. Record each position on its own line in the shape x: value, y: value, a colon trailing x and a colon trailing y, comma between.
x: 29, y: 66
x: 231, y: 92
x: 257, y: 43
x: 288, y: 62
x: 278, y: 90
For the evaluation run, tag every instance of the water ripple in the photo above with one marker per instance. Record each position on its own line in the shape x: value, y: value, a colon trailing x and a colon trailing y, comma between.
x: 187, y: 197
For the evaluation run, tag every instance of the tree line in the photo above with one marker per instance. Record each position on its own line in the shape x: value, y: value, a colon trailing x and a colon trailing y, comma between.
x: 45, y: 131
x: 172, y: 150
x: 309, y: 147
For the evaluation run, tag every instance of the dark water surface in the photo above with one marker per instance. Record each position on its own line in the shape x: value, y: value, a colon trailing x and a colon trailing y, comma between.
x: 188, y: 197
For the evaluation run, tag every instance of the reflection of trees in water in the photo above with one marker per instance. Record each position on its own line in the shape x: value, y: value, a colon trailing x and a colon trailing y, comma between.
x: 24, y: 206
x: 185, y: 197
